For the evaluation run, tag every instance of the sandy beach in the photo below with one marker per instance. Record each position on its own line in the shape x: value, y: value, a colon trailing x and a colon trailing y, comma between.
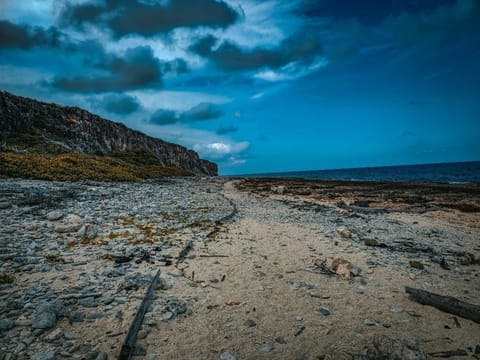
x: 247, y: 268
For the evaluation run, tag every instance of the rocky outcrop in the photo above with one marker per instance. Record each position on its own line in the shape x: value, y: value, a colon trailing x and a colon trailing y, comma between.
x: 30, y: 124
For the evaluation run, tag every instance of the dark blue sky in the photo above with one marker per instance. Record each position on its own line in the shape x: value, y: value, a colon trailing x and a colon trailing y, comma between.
x: 261, y: 86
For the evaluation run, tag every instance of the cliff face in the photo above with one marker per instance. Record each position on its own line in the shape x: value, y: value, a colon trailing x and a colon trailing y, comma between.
x: 50, y: 128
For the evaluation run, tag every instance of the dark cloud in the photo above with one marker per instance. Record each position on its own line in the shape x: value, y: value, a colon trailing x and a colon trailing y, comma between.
x: 148, y: 18
x: 202, y: 111
x: 175, y: 67
x: 164, y: 117
x: 138, y: 68
x: 26, y: 37
x: 302, y: 49
x: 120, y: 104
x: 226, y: 130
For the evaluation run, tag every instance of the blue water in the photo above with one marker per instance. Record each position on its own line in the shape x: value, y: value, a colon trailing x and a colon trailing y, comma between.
x: 461, y: 172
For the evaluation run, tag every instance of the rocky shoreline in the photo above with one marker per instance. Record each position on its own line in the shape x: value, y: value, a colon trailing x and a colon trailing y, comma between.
x: 242, y: 268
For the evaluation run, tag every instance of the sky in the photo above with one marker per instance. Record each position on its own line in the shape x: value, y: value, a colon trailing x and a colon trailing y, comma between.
x: 261, y: 86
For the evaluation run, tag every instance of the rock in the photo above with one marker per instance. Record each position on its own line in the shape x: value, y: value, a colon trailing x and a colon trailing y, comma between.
x: 396, y: 309
x: 369, y: 322
x: 88, y: 302
x: 477, y: 349
x: 384, y: 347
x: 355, y: 270
x: 341, y: 267
x: 70, y: 223
x: 299, y: 318
x: 360, y: 290
x: 5, y: 205
x: 250, y: 323
x: 54, y: 215
x: 48, y: 355
x: 102, y: 356
x: 87, y: 232
x: 280, y: 340
x: 343, y: 232
x: 416, y: 264
x: 54, y: 335
x: 266, y: 349
x: 324, y: 311
x: 6, y: 325
x: 45, y: 317
x: 370, y: 242
x: 227, y: 356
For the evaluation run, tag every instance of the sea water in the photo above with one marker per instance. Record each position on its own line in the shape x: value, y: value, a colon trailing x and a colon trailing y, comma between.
x: 459, y: 172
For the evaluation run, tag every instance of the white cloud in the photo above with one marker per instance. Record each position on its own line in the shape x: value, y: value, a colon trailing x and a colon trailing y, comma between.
x: 290, y: 71
x: 219, y: 150
x: 176, y: 100
x: 257, y: 96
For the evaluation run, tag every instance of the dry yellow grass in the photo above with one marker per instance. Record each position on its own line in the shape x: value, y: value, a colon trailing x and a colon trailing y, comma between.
x: 73, y: 167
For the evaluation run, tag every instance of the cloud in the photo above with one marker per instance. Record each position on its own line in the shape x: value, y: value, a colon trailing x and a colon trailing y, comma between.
x: 120, y: 104
x: 202, y: 111
x: 138, y: 68
x: 447, y: 19
x: 300, y: 49
x: 149, y: 18
x: 26, y: 37
x: 221, y: 150
x: 223, y: 130
x: 164, y: 117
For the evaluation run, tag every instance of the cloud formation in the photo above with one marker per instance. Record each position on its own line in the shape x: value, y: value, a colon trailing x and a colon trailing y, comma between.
x: 25, y: 37
x: 121, y: 104
x: 164, y: 117
x: 221, y: 150
x: 149, y: 18
x: 138, y: 68
x: 202, y: 111
x: 300, y: 49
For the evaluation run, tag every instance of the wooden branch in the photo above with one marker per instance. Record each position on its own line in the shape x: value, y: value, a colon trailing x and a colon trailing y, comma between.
x: 128, y: 346
x: 447, y: 304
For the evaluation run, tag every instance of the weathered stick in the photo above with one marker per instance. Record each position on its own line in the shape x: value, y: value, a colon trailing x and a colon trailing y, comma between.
x: 129, y: 345
x: 447, y: 304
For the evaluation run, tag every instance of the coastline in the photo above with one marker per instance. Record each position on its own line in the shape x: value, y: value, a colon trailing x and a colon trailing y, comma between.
x: 248, y: 286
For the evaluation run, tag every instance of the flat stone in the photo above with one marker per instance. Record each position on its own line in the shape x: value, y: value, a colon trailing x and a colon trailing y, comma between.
x: 369, y: 322
x: 48, y: 355
x: 280, y: 340
x: 54, y: 215
x: 54, y: 335
x: 5, y: 205
x: 266, y: 349
x: 250, y: 323
x: 70, y: 223
x: 88, y: 302
x: 6, y: 325
x: 396, y: 309
x: 324, y: 311
x: 45, y: 317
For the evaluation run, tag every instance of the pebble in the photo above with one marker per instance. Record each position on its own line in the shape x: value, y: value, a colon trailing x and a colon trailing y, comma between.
x: 6, y: 325
x: 45, y: 317
x: 280, y: 340
x: 227, y: 356
x: 396, y: 309
x: 299, y: 317
x: 369, y: 322
x: 266, y: 349
x: 324, y: 311
x: 250, y: 323
x: 54, y: 215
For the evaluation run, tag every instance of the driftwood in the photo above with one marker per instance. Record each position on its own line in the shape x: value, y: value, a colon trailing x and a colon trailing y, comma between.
x: 128, y: 346
x: 447, y: 304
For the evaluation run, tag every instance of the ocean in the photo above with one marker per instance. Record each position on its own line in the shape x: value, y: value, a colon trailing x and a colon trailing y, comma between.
x: 459, y: 172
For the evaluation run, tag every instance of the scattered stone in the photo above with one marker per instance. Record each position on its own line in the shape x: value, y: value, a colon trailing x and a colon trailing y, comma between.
x: 416, y: 264
x: 102, y: 356
x: 54, y: 335
x: 299, y: 317
x: 324, y: 311
x: 6, y: 325
x: 343, y: 232
x: 54, y: 215
x: 384, y: 347
x: 396, y: 309
x: 266, y: 349
x: 70, y: 223
x: 356, y: 271
x: 341, y: 267
x: 227, y: 356
x: 88, y: 302
x: 5, y: 205
x: 250, y: 323
x: 369, y: 322
x: 370, y: 242
x: 45, y: 317
x: 49, y: 355
x: 360, y: 290
x: 280, y: 340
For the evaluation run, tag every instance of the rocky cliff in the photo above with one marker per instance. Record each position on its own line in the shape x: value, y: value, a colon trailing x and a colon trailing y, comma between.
x: 38, y: 127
